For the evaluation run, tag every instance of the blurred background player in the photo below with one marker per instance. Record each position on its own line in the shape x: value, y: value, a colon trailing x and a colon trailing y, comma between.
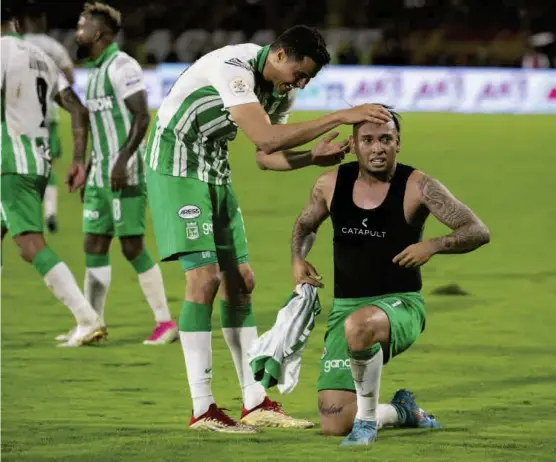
x: 30, y: 81
x: 115, y: 196
x: 35, y: 28
x: 378, y: 209
x: 197, y: 219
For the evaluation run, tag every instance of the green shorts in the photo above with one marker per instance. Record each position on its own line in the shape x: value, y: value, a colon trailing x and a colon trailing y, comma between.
x: 54, y: 142
x: 22, y: 203
x: 406, y: 313
x: 117, y: 214
x: 190, y: 215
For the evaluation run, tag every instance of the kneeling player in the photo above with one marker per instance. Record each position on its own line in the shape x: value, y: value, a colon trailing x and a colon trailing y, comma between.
x: 378, y: 209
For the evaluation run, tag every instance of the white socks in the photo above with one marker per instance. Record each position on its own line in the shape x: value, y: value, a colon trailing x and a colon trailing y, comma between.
x: 387, y: 416
x: 63, y: 285
x: 197, y: 351
x: 239, y: 340
x: 366, y: 375
x: 97, y: 282
x: 50, y: 201
x: 153, y: 288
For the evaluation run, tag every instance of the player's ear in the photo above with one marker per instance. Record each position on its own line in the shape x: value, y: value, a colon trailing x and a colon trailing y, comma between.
x: 398, y: 142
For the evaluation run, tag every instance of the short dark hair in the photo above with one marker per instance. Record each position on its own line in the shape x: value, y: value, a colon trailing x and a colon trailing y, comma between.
x: 396, y: 118
x: 12, y: 9
x: 34, y: 9
x: 303, y: 41
x: 110, y: 15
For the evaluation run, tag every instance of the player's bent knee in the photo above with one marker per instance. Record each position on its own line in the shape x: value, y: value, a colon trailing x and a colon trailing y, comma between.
x: 359, y: 332
x: 29, y: 245
x: 132, y: 248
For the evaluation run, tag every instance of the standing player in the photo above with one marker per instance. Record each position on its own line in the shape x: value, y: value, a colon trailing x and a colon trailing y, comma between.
x: 35, y: 27
x: 115, y: 196
x: 378, y: 209
x: 30, y: 81
x: 197, y: 219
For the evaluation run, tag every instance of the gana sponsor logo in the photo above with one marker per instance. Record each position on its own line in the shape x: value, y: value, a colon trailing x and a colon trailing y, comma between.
x: 188, y: 212
x: 336, y: 364
x: 91, y: 214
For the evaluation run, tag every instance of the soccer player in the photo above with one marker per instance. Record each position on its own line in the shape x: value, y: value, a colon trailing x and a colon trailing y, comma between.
x: 34, y: 28
x: 197, y: 219
x: 30, y: 81
x: 115, y: 196
x: 378, y: 209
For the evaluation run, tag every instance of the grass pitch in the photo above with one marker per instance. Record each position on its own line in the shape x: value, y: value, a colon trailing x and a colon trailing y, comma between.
x: 484, y: 365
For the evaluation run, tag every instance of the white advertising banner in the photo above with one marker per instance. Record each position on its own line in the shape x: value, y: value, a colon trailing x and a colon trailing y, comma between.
x: 408, y: 89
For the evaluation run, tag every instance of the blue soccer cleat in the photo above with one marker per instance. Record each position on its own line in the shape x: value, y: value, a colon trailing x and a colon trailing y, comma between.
x: 411, y: 415
x: 363, y: 433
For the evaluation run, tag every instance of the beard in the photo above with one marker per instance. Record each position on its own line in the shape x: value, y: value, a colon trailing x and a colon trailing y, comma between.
x: 83, y: 52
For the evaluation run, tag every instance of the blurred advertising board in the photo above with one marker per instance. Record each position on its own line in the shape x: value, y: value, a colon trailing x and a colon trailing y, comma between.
x: 408, y: 89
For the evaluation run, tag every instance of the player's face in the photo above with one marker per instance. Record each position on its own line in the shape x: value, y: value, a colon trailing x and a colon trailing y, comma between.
x: 376, y: 146
x: 291, y: 73
x: 85, y: 35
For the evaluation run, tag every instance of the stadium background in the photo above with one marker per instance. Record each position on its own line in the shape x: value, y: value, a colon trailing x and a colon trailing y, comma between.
x: 484, y: 365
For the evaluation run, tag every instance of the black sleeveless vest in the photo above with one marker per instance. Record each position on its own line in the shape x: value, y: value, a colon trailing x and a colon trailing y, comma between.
x: 366, y: 241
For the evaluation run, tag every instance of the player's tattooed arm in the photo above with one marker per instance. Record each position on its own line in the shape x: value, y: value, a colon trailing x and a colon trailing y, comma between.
x: 468, y: 231
x: 79, y: 121
x: 309, y: 220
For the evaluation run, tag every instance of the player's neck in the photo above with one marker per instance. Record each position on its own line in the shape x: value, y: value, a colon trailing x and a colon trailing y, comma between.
x: 98, y: 48
x: 8, y: 28
x: 377, y: 177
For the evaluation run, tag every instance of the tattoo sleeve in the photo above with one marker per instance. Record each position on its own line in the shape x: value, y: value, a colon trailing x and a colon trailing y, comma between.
x: 308, y: 222
x: 79, y: 121
x: 468, y: 231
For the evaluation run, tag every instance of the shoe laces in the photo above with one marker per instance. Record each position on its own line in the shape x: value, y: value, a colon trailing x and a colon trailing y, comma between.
x: 223, y: 417
x: 158, y: 330
x: 276, y: 407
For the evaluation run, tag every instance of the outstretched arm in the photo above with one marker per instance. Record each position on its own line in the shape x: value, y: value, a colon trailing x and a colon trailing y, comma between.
x: 468, y: 231
x: 324, y: 154
x: 304, y: 232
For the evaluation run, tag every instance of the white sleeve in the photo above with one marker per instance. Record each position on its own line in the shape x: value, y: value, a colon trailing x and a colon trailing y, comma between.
x: 60, y: 55
x: 127, y: 77
x: 282, y: 114
x: 233, y: 80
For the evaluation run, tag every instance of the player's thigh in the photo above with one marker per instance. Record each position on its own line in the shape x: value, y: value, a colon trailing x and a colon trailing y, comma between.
x: 128, y: 211
x: 366, y: 326
x: 181, y: 211
x: 337, y: 409
x: 229, y: 228
x: 22, y: 203
x: 335, y: 372
x: 407, y: 316
x: 97, y: 211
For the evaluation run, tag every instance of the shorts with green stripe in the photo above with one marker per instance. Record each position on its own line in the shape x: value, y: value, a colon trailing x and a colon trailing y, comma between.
x: 406, y: 313
x: 191, y: 216
x: 117, y: 214
x: 22, y: 197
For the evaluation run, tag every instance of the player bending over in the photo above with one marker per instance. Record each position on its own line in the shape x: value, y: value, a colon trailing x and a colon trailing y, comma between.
x: 196, y: 217
x: 115, y: 196
x: 34, y: 28
x: 378, y: 209
x: 30, y: 82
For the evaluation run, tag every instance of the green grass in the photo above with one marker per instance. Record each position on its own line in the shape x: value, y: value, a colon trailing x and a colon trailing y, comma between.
x: 484, y: 366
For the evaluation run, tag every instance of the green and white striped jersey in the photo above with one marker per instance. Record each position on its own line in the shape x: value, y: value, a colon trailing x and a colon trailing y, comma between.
x: 59, y: 54
x: 30, y: 82
x: 193, y: 126
x: 114, y: 76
